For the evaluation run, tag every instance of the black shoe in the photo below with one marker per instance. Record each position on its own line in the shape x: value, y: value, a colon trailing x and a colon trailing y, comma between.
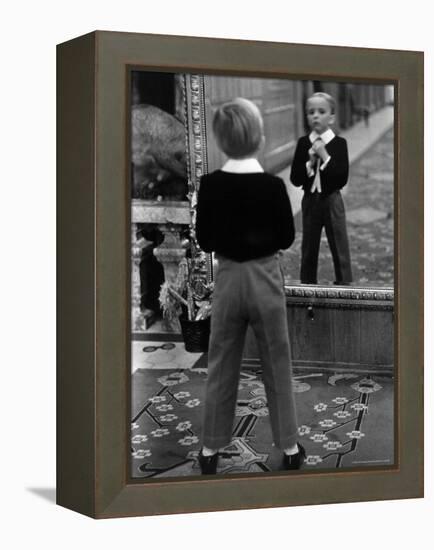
x: 294, y: 462
x: 208, y: 464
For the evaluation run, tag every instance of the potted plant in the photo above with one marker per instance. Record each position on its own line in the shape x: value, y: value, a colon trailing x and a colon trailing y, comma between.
x: 189, y: 299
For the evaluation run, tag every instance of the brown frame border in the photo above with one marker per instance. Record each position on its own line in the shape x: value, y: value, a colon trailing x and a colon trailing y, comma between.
x: 93, y: 308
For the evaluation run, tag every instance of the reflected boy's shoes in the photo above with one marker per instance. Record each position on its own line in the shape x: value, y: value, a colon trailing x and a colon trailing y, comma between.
x: 294, y: 462
x: 208, y: 464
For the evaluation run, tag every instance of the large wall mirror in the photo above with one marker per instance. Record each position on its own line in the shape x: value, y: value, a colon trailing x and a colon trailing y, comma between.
x: 365, y: 117
x: 173, y: 145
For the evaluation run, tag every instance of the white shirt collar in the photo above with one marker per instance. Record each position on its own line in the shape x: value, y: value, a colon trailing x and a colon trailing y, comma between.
x: 242, y: 166
x: 326, y: 136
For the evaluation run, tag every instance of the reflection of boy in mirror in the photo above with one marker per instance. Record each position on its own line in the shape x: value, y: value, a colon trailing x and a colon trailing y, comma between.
x: 320, y: 166
x: 245, y: 217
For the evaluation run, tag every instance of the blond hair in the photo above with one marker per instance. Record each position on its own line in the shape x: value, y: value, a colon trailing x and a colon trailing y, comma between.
x: 330, y: 100
x: 238, y: 128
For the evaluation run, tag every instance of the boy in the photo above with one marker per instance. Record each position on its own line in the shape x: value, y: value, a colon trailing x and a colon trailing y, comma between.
x: 245, y: 217
x: 320, y: 166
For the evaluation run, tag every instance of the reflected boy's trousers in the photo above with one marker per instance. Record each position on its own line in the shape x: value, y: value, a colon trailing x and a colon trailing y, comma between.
x: 326, y: 211
x: 252, y: 293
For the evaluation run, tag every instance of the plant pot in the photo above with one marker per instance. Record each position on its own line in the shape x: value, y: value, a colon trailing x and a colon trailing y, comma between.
x: 195, y: 334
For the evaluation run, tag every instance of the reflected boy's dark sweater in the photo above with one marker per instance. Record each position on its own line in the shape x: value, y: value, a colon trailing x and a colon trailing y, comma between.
x: 335, y: 174
x: 243, y: 216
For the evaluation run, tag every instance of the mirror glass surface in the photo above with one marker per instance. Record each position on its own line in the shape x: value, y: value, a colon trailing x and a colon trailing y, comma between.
x: 364, y: 116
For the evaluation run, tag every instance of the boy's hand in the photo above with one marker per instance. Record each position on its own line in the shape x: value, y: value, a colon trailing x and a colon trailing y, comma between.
x: 319, y: 147
x: 312, y: 156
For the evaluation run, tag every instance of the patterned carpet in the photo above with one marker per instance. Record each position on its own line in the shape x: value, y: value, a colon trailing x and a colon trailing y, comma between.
x: 345, y: 420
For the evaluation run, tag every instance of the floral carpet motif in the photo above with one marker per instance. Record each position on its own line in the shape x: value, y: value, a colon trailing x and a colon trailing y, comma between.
x: 345, y: 421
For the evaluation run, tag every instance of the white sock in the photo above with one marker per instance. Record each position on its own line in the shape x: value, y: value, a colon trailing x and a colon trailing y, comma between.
x: 208, y: 452
x: 291, y: 450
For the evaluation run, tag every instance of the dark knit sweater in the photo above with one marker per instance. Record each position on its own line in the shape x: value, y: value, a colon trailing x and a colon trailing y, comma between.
x: 243, y: 216
x: 335, y: 174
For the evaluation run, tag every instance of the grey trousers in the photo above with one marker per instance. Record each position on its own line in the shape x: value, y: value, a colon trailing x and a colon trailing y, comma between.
x: 246, y: 293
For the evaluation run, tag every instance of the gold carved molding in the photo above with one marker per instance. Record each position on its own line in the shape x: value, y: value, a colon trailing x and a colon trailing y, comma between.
x: 341, y: 297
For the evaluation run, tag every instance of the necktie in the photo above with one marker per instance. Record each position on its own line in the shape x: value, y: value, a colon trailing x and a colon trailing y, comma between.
x: 316, y: 185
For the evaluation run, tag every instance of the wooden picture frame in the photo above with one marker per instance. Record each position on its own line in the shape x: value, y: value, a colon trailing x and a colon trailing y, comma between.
x: 94, y: 274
